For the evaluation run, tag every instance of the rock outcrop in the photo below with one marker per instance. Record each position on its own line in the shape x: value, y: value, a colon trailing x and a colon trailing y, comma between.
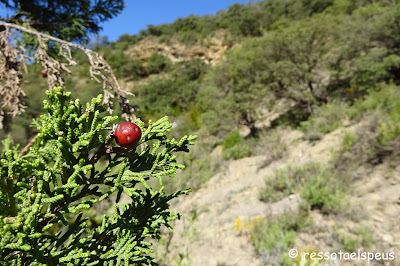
x: 210, y: 52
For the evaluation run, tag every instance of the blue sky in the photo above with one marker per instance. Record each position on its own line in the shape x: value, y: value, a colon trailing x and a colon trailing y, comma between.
x: 138, y: 14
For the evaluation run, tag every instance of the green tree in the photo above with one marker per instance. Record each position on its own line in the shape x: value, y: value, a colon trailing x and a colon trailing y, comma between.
x: 242, y: 19
x: 287, y: 63
x: 368, y: 47
x: 68, y: 20
x: 296, y: 62
x: 307, y: 8
x: 237, y: 91
x: 157, y: 63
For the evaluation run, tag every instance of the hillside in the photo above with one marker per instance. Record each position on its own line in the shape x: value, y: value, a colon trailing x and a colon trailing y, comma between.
x: 296, y: 105
x: 223, y: 219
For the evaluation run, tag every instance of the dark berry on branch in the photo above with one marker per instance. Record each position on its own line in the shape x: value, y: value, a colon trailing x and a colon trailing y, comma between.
x: 44, y: 73
x: 127, y: 134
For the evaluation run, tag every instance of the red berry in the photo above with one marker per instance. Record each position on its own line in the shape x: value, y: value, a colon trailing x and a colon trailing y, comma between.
x: 44, y: 73
x: 127, y: 134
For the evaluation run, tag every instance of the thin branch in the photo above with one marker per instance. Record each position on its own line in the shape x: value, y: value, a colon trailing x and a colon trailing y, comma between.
x: 26, y: 148
x: 99, y: 69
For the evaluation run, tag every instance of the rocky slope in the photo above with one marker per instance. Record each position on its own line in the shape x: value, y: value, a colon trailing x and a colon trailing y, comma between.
x: 210, y: 52
x: 207, y: 236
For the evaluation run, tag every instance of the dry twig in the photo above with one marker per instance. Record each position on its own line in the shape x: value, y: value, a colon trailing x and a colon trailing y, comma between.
x: 11, y: 55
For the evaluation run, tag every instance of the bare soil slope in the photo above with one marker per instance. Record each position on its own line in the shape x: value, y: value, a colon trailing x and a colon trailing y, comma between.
x: 207, y: 235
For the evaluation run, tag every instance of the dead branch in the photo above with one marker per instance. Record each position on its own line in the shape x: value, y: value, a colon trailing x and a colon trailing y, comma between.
x: 11, y: 55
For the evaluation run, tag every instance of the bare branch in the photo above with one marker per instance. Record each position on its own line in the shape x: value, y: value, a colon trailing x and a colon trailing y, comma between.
x: 10, y: 76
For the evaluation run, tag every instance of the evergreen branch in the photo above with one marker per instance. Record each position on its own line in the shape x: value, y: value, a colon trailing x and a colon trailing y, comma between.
x: 55, y: 184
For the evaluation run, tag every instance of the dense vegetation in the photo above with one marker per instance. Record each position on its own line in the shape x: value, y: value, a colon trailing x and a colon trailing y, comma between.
x: 329, y: 62
x: 318, y: 56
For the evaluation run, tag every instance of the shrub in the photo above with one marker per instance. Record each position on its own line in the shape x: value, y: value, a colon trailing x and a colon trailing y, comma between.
x: 323, y: 191
x: 360, y: 236
x: 232, y: 140
x: 192, y: 69
x: 379, y: 136
x: 171, y: 94
x: 319, y: 186
x: 157, y: 63
x: 286, y: 181
x: 237, y: 152
x: 270, y: 143
x: 276, y: 235
x: 325, y: 119
x: 349, y: 138
x: 388, y: 102
x: 132, y: 68
x: 281, y: 184
x: 45, y: 193
x: 123, y: 65
x: 234, y: 146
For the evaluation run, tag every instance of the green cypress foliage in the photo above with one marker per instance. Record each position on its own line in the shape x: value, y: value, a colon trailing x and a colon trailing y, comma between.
x: 45, y: 193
